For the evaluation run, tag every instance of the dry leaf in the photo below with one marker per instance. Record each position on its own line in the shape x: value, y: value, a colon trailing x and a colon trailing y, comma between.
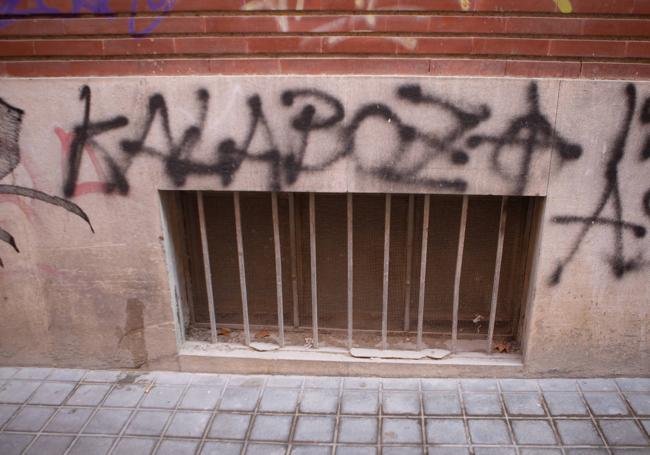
x: 224, y: 331
x: 502, y: 347
x: 263, y: 334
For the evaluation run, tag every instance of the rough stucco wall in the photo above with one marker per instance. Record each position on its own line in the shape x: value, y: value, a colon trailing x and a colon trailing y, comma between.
x: 77, y: 298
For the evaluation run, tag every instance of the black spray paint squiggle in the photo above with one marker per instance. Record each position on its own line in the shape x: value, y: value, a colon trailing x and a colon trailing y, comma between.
x: 316, y: 111
x: 619, y: 263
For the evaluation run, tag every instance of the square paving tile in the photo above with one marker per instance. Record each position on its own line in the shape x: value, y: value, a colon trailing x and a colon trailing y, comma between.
x: 401, y: 431
x: 88, y: 395
x: 483, y: 404
x: 17, y: 391
x: 565, y: 404
x: 69, y: 420
x: 52, y: 393
x: 361, y: 383
x: 104, y: 376
x: 266, y: 449
x: 597, y: 385
x: 488, y: 431
x: 108, y: 421
x: 148, y: 423
x: 319, y: 401
x: 177, y: 447
x: 539, y: 451
x: 439, y: 384
x: 33, y: 373
x: 446, y: 431
x: 358, y: 430
x: 646, y: 425
x: 165, y: 397
x: 188, y: 424
x: 634, y: 384
x: 640, y: 403
x: 322, y: 382
x: 91, y: 445
x: 400, y: 384
x: 622, y: 432
x: 271, y: 428
x: 50, y: 445
x: 66, y: 374
x: 30, y: 418
x: 359, y: 402
x: 558, y: 385
x: 591, y: 451
x: 279, y: 400
x: 290, y: 382
x: 14, y: 443
x: 401, y: 450
x: 311, y: 450
x: 538, y: 432
x: 356, y: 450
x: 524, y: 404
x: 242, y: 380
x: 239, y: 399
x: 578, y: 432
x: 229, y: 426
x: 203, y: 398
x: 606, y: 404
x: 401, y: 403
x: 6, y: 411
x: 7, y: 372
x: 494, y: 451
x: 479, y: 385
x: 441, y: 403
x: 518, y: 385
x: 173, y: 377
x: 134, y: 446
x: 125, y: 396
x: 221, y: 448
x: 314, y: 429
x: 448, y: 451
x: 209, y: 379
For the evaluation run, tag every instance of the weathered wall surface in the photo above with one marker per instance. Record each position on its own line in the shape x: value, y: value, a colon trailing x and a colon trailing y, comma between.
x: 102, y: 148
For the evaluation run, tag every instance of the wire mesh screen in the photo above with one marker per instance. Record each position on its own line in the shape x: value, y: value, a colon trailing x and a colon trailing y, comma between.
x: 368, y: 252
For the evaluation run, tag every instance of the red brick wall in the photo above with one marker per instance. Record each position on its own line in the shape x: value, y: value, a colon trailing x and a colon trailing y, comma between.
x: 538, y: 38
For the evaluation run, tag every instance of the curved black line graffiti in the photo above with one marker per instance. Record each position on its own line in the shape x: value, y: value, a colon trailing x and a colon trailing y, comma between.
x: 619, y: 263
x: 10, y: 124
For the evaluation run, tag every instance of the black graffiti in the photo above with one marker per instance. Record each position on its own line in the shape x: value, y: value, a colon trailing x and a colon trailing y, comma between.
x: 531, y: 133
x: 645, y: 151
x: 10, y: 125
x: 619, y: 263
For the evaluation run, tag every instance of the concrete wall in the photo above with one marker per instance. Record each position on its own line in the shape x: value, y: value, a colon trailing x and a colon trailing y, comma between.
x: 74, y: 297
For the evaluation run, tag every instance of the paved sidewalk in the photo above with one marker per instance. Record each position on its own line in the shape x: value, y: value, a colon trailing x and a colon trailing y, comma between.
x: 57, y: 411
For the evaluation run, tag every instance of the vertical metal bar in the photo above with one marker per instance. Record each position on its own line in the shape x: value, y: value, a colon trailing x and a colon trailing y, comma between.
x: 409, y: 260
x: 278, y: 266
x: 459, y: 266
x: 294, y: 272
x: 206, y: 268
x: 314, y: 286
x: 350, y: 269
x: 242, y: 270
x: 423, y: 268
x: 384, y: 305
x: 497, y: 272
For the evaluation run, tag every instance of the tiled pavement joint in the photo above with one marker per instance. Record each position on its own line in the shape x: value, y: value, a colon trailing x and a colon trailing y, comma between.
x: 67, y: 412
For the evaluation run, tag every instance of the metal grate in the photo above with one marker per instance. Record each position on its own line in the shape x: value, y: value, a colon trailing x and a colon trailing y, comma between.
x: 451, y: 267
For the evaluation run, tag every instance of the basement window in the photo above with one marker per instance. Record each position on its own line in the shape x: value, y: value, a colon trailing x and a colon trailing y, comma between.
x: 380, y: 272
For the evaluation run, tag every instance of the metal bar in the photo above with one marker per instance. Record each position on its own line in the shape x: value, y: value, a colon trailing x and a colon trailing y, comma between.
x: 206, y: 268
x: 497, y: 272
x: 459, y: 266
x: 314, y: 286
x: 423, y: 269
x: 409, y: 260
x: 242, y: 270
x: 278, y: 266
x: 294, y: 272
x: 384, y: 304
x: 350, y: 269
